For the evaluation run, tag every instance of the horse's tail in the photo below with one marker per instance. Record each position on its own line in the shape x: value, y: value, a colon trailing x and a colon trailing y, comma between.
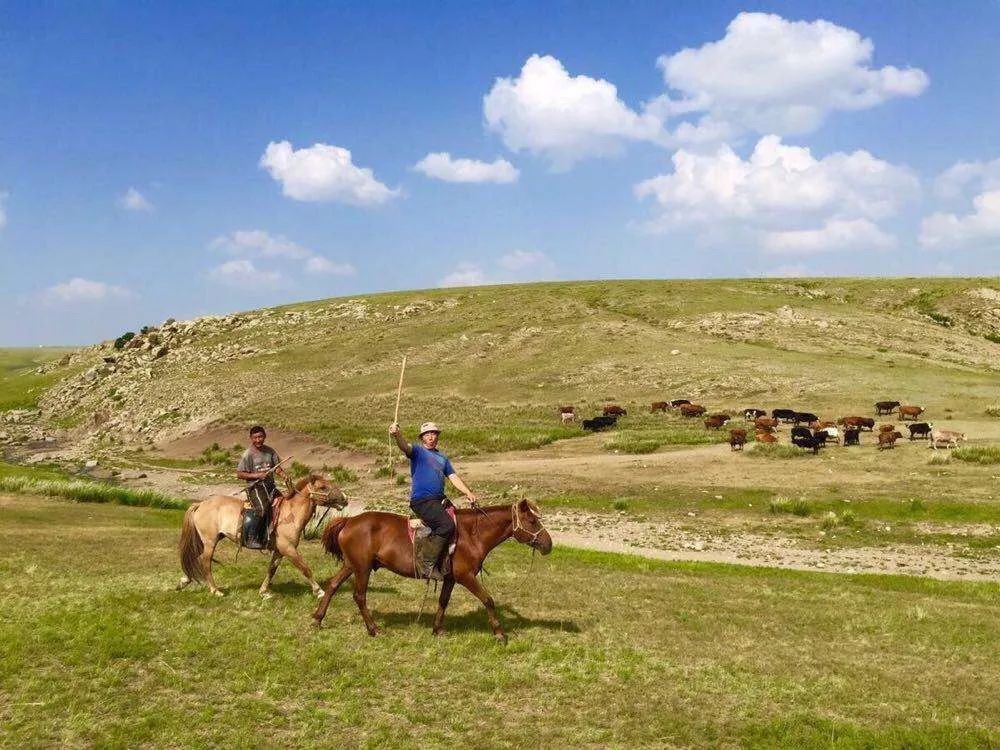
x: 191, y: 546
x: 331, y: 542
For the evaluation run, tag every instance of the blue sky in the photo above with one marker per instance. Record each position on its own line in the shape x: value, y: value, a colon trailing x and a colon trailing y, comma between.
x: 168, y: 159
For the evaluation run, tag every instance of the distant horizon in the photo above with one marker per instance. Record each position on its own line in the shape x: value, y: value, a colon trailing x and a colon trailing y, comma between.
x: 178, y: 160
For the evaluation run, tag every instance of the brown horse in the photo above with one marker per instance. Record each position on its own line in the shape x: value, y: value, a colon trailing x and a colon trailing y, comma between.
x: 208, y: 522
x: 374, y: 540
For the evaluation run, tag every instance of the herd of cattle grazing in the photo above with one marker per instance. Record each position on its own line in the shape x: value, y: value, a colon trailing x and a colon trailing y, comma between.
x: 808, y: 432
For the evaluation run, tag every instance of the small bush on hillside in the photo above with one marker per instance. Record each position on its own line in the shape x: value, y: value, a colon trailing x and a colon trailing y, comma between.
x: 124, y: 339
x: 632, y: 444
x: 796, y: 507
x: 620, y: 504
x: 848, y: 517
x: 402, y: 479
x: 994, y: 337
x: 917, y: 505
x: 384, y: 471
x: 993, y: 411
x: 978, y: 454
x: 940, y: 459
x: 298, y: 470
x: 216, y: 455
x: 829, y: 520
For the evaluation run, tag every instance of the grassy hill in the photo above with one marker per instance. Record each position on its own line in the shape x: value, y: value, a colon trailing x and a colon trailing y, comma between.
x: 493, y: 362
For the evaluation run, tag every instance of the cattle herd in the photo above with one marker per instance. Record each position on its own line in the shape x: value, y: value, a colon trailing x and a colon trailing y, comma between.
x: 808, y: 431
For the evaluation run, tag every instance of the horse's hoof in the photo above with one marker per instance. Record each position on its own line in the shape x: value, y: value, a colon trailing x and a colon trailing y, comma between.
x: 438, y: 632
x: 266, y: 594
x: 317, y: 622
x: 318, y: 593
x: 501, y: 638
x: 373, y: 632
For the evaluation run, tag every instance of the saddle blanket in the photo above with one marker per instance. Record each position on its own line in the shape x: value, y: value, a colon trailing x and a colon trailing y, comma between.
x: 417, y: 530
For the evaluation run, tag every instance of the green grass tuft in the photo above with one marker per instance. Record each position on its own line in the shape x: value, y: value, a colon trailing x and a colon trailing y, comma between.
x: 90, y: 492
x: 978, y: 454
x: 776, y: 450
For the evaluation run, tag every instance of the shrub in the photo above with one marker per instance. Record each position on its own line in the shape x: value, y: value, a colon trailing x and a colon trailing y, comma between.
x: 90, y: 492
x: 340, y: 474
x: 216, y: 455
x: 298, y: 470
x: 829, y: 520
x: 384, y: 471
x: 848, y: 517
x: 978, y: 454
x: 620, y: 504
x: 940, y: 459
x: 994, y: 337
x: 797, y: 507
x: 993, y: 411
x: 917, y: 505
x: 124, y: 339
x: 401, y: 479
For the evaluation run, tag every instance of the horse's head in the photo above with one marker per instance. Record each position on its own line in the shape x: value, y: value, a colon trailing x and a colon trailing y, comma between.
x: 322, y: 491
x: 528, y: 529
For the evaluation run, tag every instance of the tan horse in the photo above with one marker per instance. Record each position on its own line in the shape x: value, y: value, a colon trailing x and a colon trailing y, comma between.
x: 208, y: 522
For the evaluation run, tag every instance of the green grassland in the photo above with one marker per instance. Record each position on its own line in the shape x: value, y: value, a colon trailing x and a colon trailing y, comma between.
x: 20, y: 385
x: 493, y: 362
x: 605, y: 651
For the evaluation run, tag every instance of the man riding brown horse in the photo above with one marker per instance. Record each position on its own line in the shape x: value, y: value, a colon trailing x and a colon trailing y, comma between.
x: 428, y: 469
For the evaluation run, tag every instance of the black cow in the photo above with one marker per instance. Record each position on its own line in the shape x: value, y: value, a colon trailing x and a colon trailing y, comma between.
x: 751, y: 414
x: 803, y: 438
x: 885, y: 407
x: 599, y: 423
x: 852, y: 436
x: 919, y: 430
x: 785, y: 415
x: 804, y: 416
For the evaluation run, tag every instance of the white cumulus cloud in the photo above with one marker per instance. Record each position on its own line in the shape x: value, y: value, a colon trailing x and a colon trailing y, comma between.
x: 835, y: 235
x: 773, y: 76
x: 133, y: 200
x: 978, y: 175
x: 465, y: 274
x: 441, y: 166
x: 244, y: 273
x: 563, y: 118
x: 781, y: 188
x: 258, y: 243
x: 323, y: 173
x: 948, y: 230
x: 527, y: 261
x: 319, y: 264
x: 83, y: 290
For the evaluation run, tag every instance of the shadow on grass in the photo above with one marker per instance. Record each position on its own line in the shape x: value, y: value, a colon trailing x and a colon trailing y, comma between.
x: 474, y: 621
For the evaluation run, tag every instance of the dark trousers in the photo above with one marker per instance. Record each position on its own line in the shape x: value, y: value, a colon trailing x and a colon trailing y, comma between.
x: 432, y: 512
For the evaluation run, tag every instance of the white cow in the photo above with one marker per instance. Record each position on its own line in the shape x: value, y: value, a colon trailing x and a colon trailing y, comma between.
x: 951, y: 438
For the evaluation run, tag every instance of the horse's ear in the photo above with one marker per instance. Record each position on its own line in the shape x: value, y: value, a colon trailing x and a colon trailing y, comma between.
x: 529, y: 507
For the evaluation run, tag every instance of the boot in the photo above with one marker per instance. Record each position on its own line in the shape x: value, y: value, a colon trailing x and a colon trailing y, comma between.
x: 430, y: 551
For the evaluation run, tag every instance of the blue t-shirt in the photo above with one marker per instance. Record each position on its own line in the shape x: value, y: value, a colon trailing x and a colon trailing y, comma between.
x: 428, y: 470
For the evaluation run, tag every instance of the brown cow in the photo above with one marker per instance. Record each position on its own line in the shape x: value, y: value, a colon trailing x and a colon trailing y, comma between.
x: 714, y: 423
x: 764, y: 437
x: 821, y: 424
x: 862, y: 423
x: 888, y: 439
x: 766, y: 422
x: 692, y: 410
x: 737, y: 439
x: 886, y: 428
x: 659, y: 406
x: 567, y: 410
x: 910, y: 412
x: 614, y: 409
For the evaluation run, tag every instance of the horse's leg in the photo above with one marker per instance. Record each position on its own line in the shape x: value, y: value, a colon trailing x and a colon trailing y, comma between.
x: 206, y: 564
x: 479, y: 591
x: 331, y: 588
x: 295, y: 559
x: 446, y: 589
x: 360, y: 598
x: 272, y: 567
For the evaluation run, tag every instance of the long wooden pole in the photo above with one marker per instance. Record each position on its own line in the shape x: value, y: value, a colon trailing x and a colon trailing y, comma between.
x: 399, y: 390
x: 395, y: 417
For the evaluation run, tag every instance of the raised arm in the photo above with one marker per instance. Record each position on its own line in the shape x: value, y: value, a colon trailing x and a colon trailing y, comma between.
x: 397, y: 435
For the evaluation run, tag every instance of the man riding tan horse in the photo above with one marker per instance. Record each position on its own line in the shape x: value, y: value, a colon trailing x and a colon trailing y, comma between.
x: 208, y: 522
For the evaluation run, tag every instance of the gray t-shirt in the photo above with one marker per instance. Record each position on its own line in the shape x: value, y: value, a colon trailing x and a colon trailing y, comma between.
x: 259, y: 460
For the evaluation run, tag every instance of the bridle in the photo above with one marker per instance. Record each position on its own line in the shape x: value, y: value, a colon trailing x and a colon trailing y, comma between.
x: 518, y: 525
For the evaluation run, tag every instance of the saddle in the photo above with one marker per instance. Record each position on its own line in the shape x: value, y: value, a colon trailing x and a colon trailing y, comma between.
x: 419, y: 533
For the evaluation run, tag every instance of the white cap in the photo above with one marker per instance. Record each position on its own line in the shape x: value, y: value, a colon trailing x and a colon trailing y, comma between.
x: 428, y: 427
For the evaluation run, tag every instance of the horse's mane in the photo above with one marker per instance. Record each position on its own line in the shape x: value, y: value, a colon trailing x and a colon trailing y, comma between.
x: 532, y: 505
x: 301, y: 484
